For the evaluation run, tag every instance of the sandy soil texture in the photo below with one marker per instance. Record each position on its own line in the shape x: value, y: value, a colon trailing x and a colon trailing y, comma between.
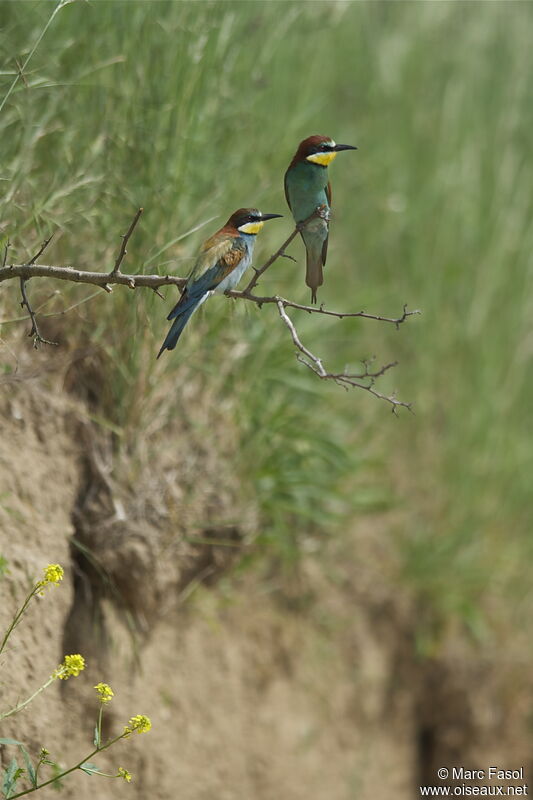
x: 252, y: 691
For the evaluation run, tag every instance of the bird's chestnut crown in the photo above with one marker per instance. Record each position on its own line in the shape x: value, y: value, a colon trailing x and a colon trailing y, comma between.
x: 319, y: 150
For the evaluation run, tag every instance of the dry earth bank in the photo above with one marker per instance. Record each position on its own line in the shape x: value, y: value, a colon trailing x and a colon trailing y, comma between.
x: 257, y: 688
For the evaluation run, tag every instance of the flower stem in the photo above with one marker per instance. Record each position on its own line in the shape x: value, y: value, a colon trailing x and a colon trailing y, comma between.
x: 24, y: 703
x: 99, y: 727
x: 18, y: 616
x: 71, y: 769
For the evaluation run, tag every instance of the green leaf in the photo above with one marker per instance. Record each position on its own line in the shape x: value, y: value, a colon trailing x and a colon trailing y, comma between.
x: 89, y: 768
x: 96, y: 740
x: 29, y: 766
x: 11, y: 776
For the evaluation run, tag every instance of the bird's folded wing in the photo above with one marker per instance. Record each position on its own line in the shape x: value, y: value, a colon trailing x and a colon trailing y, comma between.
x: 217, y: 259
x: 286, y: 187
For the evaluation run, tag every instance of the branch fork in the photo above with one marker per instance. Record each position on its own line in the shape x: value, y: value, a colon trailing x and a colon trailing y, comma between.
x: 365, y: 379
x: 125, y: 238
x: 34, y: 331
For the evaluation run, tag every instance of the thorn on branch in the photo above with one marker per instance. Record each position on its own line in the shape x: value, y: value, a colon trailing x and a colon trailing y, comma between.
x: 6, y: 248
x: 125, y: 239
x: 37, y: 338
x: 41, y: 250
x: 404, y: 316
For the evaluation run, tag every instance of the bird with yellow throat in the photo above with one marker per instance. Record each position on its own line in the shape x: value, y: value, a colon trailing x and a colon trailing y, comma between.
x: 307, y: 189
x: 220, y: 265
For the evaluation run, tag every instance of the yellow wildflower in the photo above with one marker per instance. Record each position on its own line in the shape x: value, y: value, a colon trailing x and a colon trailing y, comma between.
x: 72, y: 665
x: 53, y: 574
x: 123, y: 773
x: 105, y: 691
x: 138, y: 724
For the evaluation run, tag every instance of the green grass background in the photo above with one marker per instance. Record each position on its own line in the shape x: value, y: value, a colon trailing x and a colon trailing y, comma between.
x: 192, y: 109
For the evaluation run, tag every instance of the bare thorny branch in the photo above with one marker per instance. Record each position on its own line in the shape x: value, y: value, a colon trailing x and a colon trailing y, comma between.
x: 34, y: 332
x: 360, y: 380
x: 365, y: 379
x: 125, y: 239
x: 6, y: 248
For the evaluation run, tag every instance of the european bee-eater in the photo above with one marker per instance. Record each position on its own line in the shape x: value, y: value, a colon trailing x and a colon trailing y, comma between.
x: 222, y: 260
x: 307, y: 188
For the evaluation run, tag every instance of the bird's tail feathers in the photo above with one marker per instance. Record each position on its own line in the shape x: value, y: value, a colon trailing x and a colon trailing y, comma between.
x: 181, y: 315
x: 314, y: 277
x: 184, y: 303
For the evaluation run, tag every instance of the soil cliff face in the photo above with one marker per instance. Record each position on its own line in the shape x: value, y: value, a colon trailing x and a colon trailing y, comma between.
x: 253, y: 691
x: 247, y: 697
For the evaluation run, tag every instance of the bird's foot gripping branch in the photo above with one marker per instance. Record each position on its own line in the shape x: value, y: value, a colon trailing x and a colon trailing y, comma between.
x: 365, y: 379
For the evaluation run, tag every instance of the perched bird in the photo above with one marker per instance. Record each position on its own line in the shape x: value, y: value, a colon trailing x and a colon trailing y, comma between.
x: 306, y: 189
x: 219, y: 267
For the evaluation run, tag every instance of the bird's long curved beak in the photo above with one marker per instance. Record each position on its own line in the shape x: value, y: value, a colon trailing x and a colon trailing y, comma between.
x: 269, y: 216
x: 339, y: 147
